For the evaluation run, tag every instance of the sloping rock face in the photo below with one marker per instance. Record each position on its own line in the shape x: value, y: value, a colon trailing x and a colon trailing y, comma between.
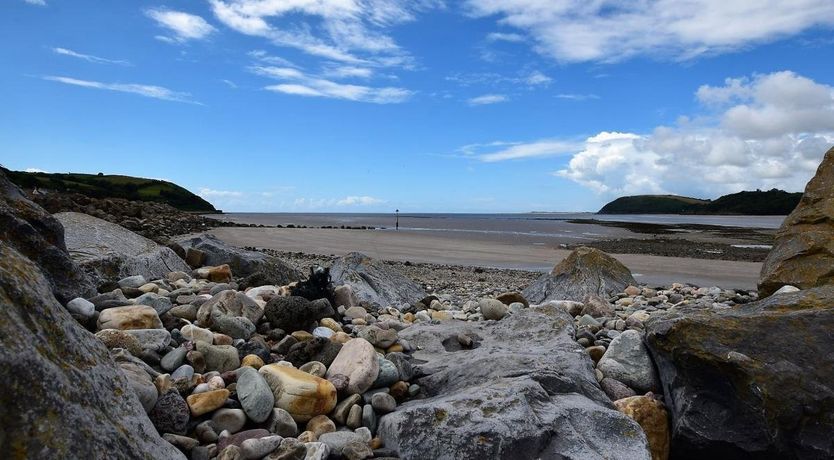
x: 586, y: 271
x: 373, y: 283
x: 525, y: 389
x: 755, y: 381
x: 109, y: 252
x: 63, y: 397
x: 257, y: 268
x: 37, y: 235
x: 803, y: 253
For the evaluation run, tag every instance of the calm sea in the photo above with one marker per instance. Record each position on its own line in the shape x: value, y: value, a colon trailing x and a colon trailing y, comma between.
x: 518, y: 225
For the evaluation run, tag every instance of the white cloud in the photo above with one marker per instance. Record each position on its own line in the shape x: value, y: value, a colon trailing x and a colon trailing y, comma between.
x: 208, y: 194
x: 487, y: 99
x: 156, y: 92
x: 761, y: 132
x: 537, y: 78
x: 35, y: 170
x: 577, y: 97
x: 184, y: 26
x: 505, y: 37
x: 302, y: 84
x: 610, y: 30
x: 89, y: 58
x: 359, y: 201
x: 501, y: 151
x: 349, y: 72
x: 229, y: 83
x: 348, y: 31
x: 36, y: 2
x: 532, y: 79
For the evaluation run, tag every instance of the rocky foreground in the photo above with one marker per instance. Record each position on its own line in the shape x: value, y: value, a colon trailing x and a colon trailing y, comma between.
x: 115, y: 346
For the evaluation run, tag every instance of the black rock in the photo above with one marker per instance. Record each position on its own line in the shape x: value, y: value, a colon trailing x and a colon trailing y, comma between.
x: 170, y: 414
x: 296, y: 313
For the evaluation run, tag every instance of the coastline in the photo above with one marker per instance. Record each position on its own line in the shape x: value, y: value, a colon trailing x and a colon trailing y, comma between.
x: 450, y: 249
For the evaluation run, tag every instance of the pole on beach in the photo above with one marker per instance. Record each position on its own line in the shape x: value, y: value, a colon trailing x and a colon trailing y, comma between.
x: 397, y: 213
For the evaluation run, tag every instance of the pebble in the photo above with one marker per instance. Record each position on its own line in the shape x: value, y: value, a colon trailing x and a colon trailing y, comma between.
x: 254, y: 394
x: 231, y: 420
x: 81, y: 307
x: 204, y: 403
x: 253, y: 449
x: 383, y: 403
x: 281, y: 423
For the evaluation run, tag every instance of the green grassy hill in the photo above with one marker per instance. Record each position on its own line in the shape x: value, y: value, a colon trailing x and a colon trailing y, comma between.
x: 772, y: 202
x: 113, y: 186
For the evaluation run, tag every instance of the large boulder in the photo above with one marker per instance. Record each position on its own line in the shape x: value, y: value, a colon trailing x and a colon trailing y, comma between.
x: 373, y: 283
x: 754, y: 381
x: 257, y: 268
x: 586, y: 271
x: 37, y: 235
x: 523, y: 388
x: 109, y: 252
x: 803, y: 252
x: 63, y: 396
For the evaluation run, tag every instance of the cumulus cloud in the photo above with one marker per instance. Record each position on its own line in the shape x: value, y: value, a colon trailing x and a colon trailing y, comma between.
x: 609, y: 30
x: 487, y: 99
x: 89, y: 58
x: 152, y: 91
x: 762, y: 132
x: 348, y: 31
x: 184, y: 26
x: 299, y: 83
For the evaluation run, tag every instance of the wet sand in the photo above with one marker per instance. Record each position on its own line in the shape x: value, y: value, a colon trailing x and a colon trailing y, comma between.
x: 449, y: 248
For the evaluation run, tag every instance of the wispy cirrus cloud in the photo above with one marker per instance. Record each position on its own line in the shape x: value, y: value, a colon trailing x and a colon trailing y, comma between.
x: 577, y: 96
x: 505, y: 37
x: 298, y: 83
x: 487, y: 99
x: 36, y: 2
x: 89, y: 57
x: 348, y: 31
x: 183, y: 26
x: 612, y: 30
x: 152, y: 91
x: 502, y: 151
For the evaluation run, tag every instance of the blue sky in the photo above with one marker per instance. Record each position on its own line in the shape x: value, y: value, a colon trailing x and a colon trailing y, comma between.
x: 421, y: 105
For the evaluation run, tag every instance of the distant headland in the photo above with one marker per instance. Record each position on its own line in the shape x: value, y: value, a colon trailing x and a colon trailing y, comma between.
x: 754, y: 203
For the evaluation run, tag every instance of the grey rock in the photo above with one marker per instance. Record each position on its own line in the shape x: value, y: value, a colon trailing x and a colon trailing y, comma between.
x: 254, y: 394
x: 373, y: 283
x: 753, y: 381
x: 231, y: 312
x: 492, y: 309
x: 182, y: 443
x: 317, y: 451
x: 132, y: 281
x: 231, y: 420
x: 336, y: 441
x: 585, y: 271
x: 342, y: 409
x: 141, y: 383
x: 184, y: 372
x: 170, y: 414
x: 281, y: 423
x: 290, y: 449
x: 295, y: 313
x: 81, y: 307
x: 528, y: 383
x: 220, y: 358
x: 151, y: 339
x: 159, y: 303
x: 628, y: 361
x: 401, y: 361
x: 111, y: 299
x: 388, y: 374
x: 253, y: 449
x: 173, y: 359
x: 369, y: 420
x: 259, y: 269
x: 383, y: 403
x: 38, y: 236
x: 109, y: 252
x: 616, y: 389
x: 354, y: 418
x: 382, y: 338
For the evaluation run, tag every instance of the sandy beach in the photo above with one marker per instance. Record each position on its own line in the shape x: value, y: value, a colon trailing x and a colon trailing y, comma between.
x: 446, y: 248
